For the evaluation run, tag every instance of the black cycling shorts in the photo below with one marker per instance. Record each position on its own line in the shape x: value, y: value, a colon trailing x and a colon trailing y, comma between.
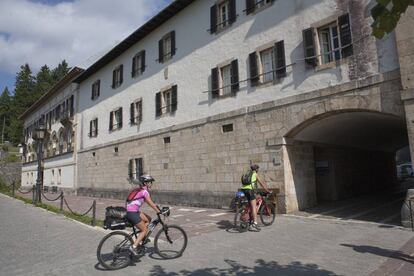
x: 134, y: 217
x: 250, y: 194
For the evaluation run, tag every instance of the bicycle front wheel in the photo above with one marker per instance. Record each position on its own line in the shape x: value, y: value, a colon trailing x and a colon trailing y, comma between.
x: 170, y: 242
x: 113, y: 250
x: 267, y: 213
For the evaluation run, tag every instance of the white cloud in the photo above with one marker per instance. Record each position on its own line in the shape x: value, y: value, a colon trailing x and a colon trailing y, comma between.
x: 77, y: 31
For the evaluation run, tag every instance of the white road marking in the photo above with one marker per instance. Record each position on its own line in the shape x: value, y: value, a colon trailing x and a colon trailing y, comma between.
x: 184, y: 210
x: 176, y: 216
x: 199, y: 211
x: 216, y: 215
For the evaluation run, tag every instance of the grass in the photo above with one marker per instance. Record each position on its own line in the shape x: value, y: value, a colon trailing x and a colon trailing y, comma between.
x: 84, y: 219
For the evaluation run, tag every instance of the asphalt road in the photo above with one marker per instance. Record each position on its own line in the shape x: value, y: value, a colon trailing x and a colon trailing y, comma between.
x: 36, y: 242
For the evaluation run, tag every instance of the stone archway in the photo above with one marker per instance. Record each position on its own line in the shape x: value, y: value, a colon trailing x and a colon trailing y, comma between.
x: 340, y: 154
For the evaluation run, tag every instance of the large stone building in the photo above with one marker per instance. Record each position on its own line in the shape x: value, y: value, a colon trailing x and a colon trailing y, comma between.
x: 205, y: 88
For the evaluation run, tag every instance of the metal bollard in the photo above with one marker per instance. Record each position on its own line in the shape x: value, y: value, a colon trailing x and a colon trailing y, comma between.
x: 94, y: 213
x: 33, y: 195
x: 61, y: 202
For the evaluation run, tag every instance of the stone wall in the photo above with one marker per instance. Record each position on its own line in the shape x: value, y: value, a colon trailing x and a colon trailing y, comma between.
x: 10, y: 172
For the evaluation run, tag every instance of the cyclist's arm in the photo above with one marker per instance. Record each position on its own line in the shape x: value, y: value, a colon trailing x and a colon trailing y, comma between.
x: 263, y: 184
x: 152, y: 204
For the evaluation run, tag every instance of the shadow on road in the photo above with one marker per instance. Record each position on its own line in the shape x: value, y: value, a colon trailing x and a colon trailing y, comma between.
x: 261, y: 268
x: 381, y: 252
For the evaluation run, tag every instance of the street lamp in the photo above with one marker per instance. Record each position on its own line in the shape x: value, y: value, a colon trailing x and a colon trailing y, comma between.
x: 39, y: 136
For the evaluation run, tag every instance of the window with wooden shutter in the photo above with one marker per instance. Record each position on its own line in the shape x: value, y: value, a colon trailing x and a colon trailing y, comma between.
x: 161, y: 51
x: 255, y: 5
x: 117, y: 76
x: 309, y: 47
x: 174, y: 98
x: 135, y: 168
x: 136, y: 112
x: 93, y: 128
x: 235, y: 76
x: 215, y: 82
x: 166, y: 47
x: 254, y: 73
x: 213, y: 19
x: 280, y: 59
x: 95, y: 89
x: 111, y: 120
x: 158, y: 104
x: 232, y: 11
x: 138, y: 64
x: 345, y: 35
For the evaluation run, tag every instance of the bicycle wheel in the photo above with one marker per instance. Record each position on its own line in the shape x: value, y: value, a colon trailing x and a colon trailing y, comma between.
x: 241, y: 218
x: 170, y: 242
x: 113, y: 250
x: 267, y: 213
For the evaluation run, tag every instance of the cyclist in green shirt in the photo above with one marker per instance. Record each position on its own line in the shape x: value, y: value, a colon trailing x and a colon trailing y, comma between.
x: 249, y: 191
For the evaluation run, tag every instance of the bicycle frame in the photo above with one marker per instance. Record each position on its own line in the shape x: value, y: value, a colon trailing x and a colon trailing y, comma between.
x: 151, y: 227
x: 248, y: 209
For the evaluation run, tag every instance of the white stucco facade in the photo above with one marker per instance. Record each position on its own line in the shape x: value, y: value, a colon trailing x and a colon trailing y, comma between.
x: 198, y: 51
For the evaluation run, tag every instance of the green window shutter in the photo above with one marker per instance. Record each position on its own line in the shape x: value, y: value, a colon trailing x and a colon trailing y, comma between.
x: 215, y: 82
x: 254, y: 75
x: 280, y: 59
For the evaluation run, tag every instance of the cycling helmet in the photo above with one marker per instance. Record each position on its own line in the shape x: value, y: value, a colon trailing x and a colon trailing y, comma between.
x: 146, y: 178
x: 254, y: 167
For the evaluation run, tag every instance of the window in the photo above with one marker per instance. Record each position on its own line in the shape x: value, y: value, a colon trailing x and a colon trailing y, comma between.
x: 227, y: 128
x: 136, y: 112
x: 138, y: 64
x: 117, y: 76
x: 96, y: 86
x: 61, y: 141
x: 328, y: 43
x: 135, y: 168
x: 253, y: 5
x: 52, y: 179
x: 166, y: 47
x: 268, y: 64
x: 93, y: 128
x: 167, y: 140
x: 115, y: 119
x: 166, y: 101
x: 225, y: 79
x: 222, y: 15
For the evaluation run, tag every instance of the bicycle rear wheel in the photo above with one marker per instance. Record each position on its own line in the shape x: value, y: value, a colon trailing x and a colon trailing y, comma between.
x: 267, y: 213
x: 241, y: 218
x: 170, y: 242
x: 113, y: 250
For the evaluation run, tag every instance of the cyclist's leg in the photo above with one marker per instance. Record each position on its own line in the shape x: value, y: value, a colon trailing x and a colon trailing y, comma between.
x: 135, y: 219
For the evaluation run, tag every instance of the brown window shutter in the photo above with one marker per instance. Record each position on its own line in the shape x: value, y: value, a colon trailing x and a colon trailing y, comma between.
x: 174, y: 98
x: 232, y: 11
x: 130, y: 163
x: 96, y: 131
x: 92, y: 94
x: 142, y: 61
x: 134, y: 62
x: 132, y: 113
x: 235, y: 76
x: 90, y: 128
x: 345, y: 35
x: 120, y: 118
x: 121, y: 70
x: 140, y: 111
x: 250, y: 6
x: 160, y: 51
x: 215, y: 82
x: 213, y: 19
x: 113, y: 78
x: 254, y: 75
x: 158, y: 104
x: 280, y: 59
x: 172, y: 34
x: 99, y: 88
x: 309, y: 47
x: 111, y: 120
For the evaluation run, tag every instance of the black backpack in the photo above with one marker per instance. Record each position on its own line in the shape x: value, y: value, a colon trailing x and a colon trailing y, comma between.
x: 246, y: 178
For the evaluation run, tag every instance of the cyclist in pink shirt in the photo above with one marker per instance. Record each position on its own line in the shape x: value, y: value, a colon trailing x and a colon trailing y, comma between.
x: 134, y: 202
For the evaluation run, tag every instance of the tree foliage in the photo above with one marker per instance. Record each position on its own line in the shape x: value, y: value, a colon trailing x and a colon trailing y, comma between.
x: 386, y: 14
x: 28, y: 89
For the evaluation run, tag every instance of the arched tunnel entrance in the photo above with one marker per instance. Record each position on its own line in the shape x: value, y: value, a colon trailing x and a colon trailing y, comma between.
x: 346, y: 158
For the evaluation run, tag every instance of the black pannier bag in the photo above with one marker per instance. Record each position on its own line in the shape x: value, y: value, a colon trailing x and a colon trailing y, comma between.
x: 115, y: 218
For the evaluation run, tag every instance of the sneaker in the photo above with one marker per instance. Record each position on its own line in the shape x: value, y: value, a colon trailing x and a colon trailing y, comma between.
x: 254, y: 227
x: 134, y: 250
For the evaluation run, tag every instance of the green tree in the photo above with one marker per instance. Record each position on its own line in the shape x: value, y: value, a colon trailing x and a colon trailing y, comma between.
x: 60, y: 71
x: 386, y: 14
x: 5, y: 104
x: 44, y: 81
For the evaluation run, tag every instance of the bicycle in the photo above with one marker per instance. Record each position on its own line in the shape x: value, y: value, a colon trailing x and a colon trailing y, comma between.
x: 169, y: 243
x: 267, y: 210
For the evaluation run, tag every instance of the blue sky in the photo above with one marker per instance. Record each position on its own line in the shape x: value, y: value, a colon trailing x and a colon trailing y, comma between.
x: 79, y: 31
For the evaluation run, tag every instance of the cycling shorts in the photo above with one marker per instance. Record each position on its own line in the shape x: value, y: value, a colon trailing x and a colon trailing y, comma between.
x: 134, y: 217
x: 250, y: 194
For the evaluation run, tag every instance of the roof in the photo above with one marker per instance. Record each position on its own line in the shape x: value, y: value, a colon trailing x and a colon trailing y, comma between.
x: 67, y: 79
x: 156, y: 21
